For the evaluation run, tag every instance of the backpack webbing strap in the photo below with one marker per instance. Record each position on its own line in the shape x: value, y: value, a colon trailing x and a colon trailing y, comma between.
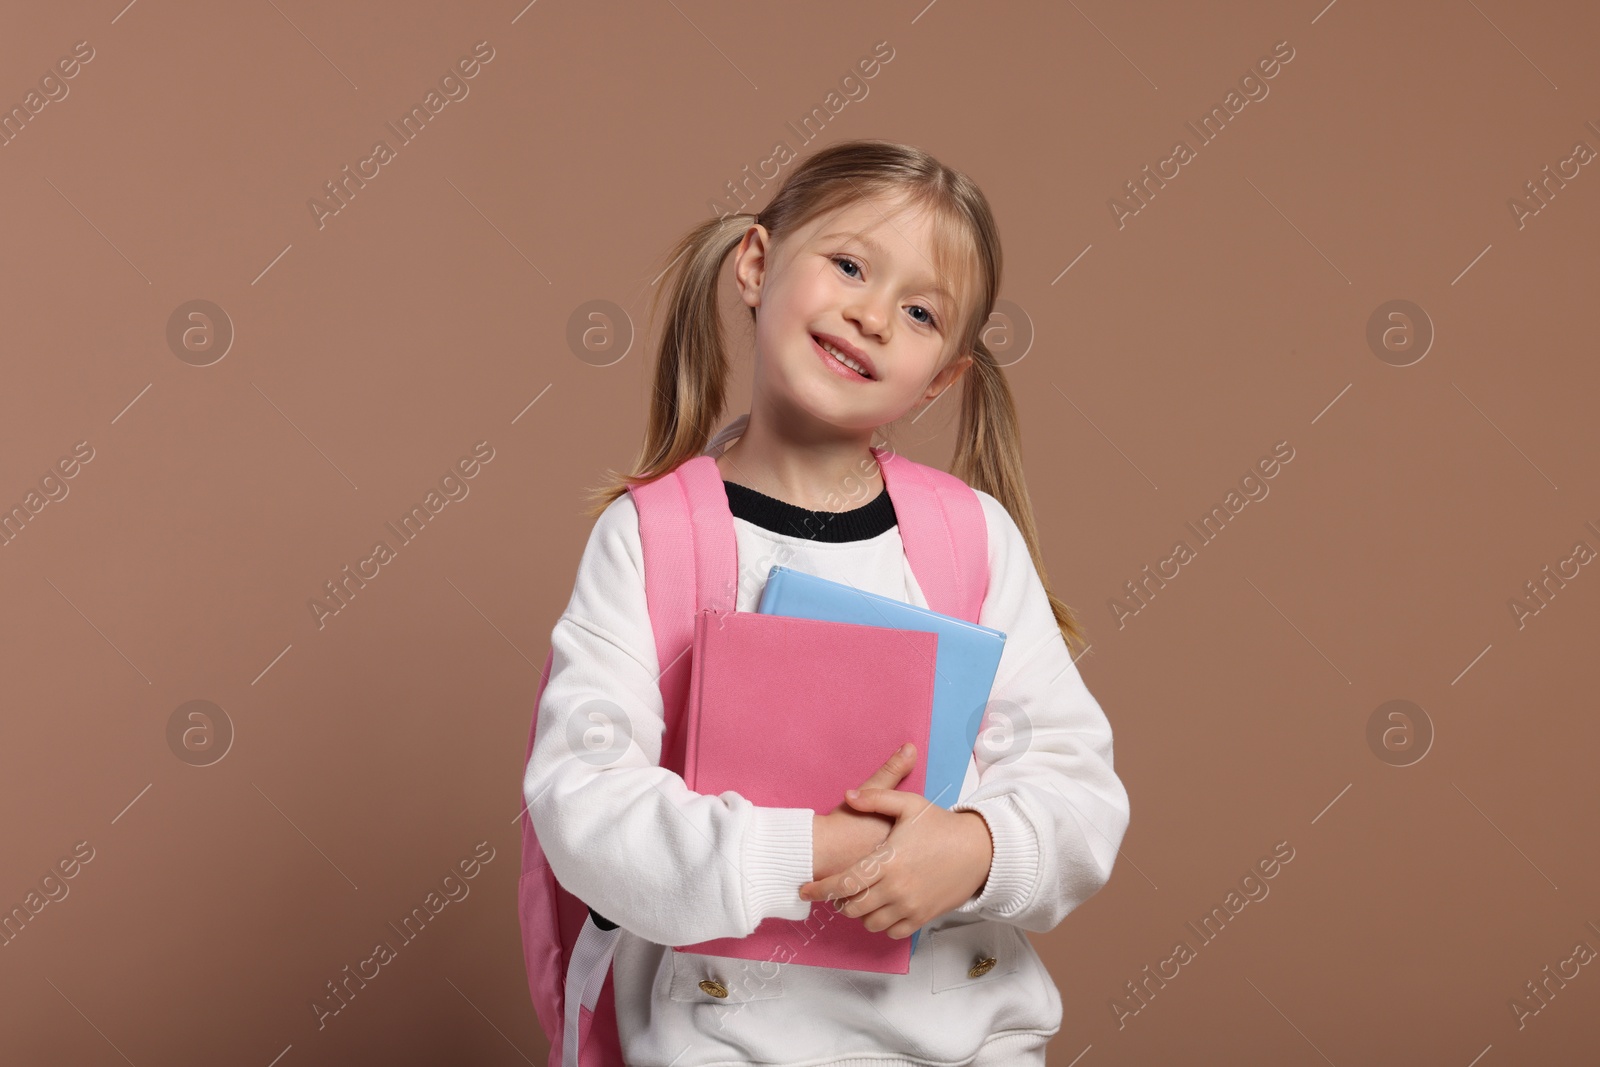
x: 945, y: 534
x: 691, y: 565
x: 586, y: 976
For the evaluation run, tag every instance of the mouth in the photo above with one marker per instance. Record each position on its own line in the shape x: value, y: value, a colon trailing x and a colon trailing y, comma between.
x: 842, y: 359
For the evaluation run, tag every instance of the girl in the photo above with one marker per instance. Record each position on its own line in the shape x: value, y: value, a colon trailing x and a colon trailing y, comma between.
x: 870, y: 278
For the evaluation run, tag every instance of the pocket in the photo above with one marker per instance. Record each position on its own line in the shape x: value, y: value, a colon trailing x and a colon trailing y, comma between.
x: 974, y: 953
x: 721, y: 980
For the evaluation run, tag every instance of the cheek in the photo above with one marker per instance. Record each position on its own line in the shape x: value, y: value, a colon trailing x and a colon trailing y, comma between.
x: 776, y: 335
x: 783, y: 315
x: 908, y: 393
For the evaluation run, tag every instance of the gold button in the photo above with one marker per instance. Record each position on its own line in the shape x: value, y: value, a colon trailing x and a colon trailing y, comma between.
x: 716, y: 988
x: 981, y: 968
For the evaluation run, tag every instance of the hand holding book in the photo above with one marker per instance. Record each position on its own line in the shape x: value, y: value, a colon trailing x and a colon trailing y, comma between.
x: 846, y: 834
x: 932, y: 862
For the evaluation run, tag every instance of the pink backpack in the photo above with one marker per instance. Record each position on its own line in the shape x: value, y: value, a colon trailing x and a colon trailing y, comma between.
x: 690, y: 556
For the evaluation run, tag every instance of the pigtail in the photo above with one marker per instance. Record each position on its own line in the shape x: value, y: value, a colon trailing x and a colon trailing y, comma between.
x: 988, y: 456
x: 691, y: 369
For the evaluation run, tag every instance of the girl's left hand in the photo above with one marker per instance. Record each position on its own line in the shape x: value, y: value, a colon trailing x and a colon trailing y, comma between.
x: 932, y: 862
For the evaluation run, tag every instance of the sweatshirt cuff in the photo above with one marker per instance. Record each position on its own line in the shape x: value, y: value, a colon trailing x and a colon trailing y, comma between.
x: 1015, y: 867
x: 777, y: 862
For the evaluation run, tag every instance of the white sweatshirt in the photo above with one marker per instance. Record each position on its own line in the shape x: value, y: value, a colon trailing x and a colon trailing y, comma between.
x: 674, y: 867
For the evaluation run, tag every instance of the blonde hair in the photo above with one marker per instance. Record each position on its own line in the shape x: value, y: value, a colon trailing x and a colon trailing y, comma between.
x: 691, y: 369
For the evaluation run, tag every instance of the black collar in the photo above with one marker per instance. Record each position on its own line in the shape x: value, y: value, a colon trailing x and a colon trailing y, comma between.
x: 858, y: 524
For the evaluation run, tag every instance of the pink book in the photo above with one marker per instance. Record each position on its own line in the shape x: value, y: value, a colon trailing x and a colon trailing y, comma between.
x: 789, y: 713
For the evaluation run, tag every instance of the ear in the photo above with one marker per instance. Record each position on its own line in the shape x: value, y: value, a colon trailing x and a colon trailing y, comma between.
x: 948, y: 377
x: 750, y: 263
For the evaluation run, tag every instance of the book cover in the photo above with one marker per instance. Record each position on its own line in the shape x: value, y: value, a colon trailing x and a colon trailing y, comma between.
x: 969, y: 658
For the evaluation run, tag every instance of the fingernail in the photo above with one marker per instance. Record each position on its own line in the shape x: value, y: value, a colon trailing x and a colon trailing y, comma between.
x: 852, y: 793
x: 905, y: 749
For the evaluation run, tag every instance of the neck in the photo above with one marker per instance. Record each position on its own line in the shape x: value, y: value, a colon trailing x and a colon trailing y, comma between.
x: 831, y: 474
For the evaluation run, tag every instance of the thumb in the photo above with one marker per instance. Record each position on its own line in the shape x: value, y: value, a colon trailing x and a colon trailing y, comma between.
x: 895, y: 768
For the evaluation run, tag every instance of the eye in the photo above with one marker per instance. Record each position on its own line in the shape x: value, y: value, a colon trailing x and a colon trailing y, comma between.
x: 931, y: 320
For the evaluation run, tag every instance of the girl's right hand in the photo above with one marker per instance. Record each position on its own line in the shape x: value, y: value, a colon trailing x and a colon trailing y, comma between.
x: 844, y: 835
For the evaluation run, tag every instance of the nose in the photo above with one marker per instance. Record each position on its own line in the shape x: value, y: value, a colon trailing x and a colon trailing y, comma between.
x: 870, y: 316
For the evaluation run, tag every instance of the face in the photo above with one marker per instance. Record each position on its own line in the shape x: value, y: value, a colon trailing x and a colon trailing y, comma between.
x: 862, y: 280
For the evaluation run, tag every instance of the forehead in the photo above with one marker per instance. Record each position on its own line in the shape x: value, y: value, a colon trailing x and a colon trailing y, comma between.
x: 900, y: 234
x: 898, y: 230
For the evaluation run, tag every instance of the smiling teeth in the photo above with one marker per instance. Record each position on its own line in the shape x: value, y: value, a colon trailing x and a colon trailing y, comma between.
x: 842, y: 358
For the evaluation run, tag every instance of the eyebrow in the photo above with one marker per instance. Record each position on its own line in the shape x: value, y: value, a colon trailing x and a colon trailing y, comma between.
x: 876, y: 249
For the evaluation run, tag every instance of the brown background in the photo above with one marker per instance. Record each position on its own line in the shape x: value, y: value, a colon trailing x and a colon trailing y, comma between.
x: 370, y: 756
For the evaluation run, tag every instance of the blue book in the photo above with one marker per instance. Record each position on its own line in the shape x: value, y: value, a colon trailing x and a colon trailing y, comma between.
x: 964, y: 668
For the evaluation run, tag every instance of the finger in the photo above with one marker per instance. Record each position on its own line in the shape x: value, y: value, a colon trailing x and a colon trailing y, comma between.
x: 840, y: 887
x: 904, y: 928
x: 886, y: 917
x: 885, y: 801
x: 858, y: 904
x: 894, y: 768
x: 847, y: 883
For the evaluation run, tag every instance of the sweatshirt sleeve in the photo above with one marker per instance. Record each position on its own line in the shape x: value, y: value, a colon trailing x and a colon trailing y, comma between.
x: 1055, y: 808
x: 624, y: 835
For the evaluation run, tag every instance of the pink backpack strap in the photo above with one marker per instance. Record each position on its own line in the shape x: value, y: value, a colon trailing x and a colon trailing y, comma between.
x: 944, y: 531
x: 690, y: 565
